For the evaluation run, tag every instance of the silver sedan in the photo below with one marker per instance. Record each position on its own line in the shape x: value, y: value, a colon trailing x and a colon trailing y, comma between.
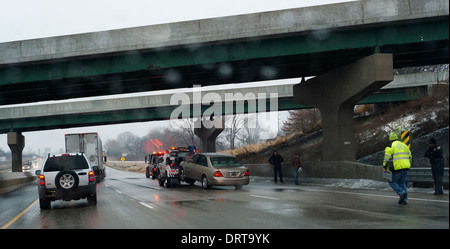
x: 215, y: 169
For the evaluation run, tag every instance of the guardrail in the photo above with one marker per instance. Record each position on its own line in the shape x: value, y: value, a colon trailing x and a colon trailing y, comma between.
x: 424, y: 175
x: 418, y: 177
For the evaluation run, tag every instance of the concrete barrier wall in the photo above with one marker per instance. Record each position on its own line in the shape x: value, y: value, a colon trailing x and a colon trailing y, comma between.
x: 14, y: 180
x: 329, y: 169
x: 344, y: 169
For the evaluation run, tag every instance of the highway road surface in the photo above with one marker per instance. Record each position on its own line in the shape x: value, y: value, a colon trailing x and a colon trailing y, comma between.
x: 129, y: 200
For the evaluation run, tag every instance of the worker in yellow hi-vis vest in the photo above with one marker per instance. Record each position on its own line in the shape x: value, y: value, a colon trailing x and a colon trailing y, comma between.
x: 401, y: 158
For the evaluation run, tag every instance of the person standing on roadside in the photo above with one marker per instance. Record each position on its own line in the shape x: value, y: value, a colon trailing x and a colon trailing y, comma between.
x: 276, y: 160
x: 434, y: 153
x: 401, y: 160
x: 296, y: 165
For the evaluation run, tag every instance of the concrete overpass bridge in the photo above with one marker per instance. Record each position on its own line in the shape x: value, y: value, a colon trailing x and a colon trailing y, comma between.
x: 351, y: 48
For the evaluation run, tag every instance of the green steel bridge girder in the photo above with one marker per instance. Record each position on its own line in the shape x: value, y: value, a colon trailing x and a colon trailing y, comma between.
x: 383, y: 38
x: 267, y: 58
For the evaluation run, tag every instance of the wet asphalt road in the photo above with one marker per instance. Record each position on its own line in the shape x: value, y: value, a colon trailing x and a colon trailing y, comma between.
x: 129, y: 200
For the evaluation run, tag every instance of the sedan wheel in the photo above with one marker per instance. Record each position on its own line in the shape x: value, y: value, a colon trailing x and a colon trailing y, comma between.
x: 205, y: 184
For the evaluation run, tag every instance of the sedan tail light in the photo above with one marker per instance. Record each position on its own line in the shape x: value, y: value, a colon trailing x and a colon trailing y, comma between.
x: 218, y: 174
x: 42, y: 180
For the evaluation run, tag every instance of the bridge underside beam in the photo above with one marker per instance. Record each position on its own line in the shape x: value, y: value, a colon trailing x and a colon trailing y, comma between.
x: 336, y: 92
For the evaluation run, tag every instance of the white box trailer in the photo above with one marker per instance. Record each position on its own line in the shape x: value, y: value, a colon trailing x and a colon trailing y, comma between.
x: 91, y: 145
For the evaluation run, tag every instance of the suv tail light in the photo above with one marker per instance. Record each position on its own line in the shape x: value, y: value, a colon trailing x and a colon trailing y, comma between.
x: 218, y: 174
x: 91, y: 176
x: 246, y: 173
x: 42, y: 180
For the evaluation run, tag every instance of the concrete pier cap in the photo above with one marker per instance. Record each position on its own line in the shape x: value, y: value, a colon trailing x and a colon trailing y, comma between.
x: 208, y: 130
x: 335, y: 94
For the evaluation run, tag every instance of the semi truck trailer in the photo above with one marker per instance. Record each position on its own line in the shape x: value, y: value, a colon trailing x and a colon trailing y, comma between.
x: 90, y: 145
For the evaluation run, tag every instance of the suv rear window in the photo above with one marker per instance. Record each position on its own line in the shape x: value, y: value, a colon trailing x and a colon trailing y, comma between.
x: 65, y: 163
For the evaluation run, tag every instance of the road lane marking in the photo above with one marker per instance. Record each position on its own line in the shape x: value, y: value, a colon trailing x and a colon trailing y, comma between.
x: 19, y: 215
x: 147, y: 205
x: 375, y: 195
x: 266, y: 197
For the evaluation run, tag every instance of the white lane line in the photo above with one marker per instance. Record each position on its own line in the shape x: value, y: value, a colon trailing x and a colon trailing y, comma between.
x: 147, y: 205
x: 375, y: 195
x: 259, y: 196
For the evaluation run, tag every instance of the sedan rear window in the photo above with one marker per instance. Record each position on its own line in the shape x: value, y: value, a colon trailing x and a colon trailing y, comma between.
x: 65, y: 163
x: 224, y: 161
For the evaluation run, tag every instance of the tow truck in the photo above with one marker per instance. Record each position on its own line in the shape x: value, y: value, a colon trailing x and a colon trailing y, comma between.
x: 153, y: 160
x: 169, y: 171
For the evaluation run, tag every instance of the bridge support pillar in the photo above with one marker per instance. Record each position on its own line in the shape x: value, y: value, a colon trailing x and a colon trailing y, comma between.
x: 335, y: 94
x: 208, y: 132
x: 16, y: 142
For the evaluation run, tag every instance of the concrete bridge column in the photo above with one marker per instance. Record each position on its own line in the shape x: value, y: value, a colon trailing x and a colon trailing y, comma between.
x: 335, y: 94
x: 208, y: 132
x: 16, y: 142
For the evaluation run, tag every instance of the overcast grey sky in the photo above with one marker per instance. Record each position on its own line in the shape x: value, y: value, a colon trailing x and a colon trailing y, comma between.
x: 30, y: 19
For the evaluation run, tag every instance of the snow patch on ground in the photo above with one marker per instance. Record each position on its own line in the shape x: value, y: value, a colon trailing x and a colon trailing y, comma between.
x: 405, y: 124
x: 363, y: 184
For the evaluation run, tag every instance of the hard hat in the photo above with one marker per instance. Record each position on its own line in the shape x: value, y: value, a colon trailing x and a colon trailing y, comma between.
x: 393, y: 136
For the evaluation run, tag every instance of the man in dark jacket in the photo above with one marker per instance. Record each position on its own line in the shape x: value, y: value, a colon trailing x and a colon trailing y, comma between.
x: 434, y: 153
x: 276, y: 160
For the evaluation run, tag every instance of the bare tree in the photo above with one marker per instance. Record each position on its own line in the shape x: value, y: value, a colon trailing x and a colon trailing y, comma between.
x: 305, y: 120
x: 233, y: 125
x: 184, y: 133
x: 250, y: 135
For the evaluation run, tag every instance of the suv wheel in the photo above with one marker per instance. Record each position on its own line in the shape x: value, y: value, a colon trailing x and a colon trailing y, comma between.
x: 44, y: 203
x: 66, y: 180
